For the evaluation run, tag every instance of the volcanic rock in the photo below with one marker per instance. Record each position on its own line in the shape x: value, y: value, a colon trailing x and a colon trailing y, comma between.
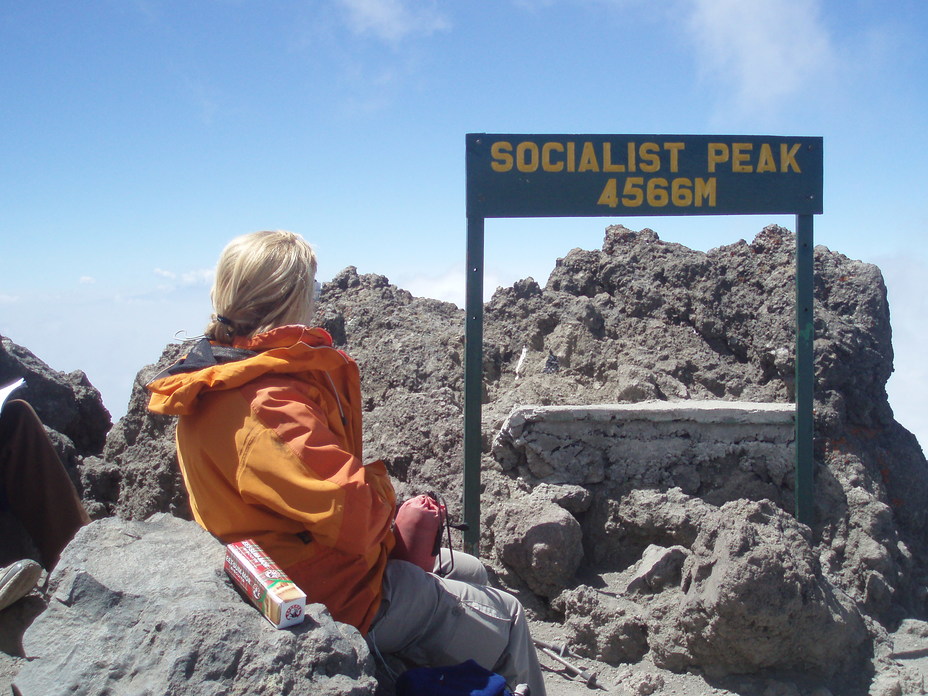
x: 144, y: 607
x: 639, y: 321
x: 754, y: 598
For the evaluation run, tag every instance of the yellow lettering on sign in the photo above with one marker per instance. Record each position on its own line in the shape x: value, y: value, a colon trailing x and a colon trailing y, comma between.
x: 674, y: 149
x: 546, y: 163
x: 502, y: 156
x: 633, y: 194
x: 657, y: 192
x: 608, y: 166
x: 765, y: 160
x: 718, y: 153
x: 681, y: 192
x: 526, y: 157
x: 609, y: 196
x: 741, y: 158
x: 788, y: 158
x: 588, y: 161
x: 705, y: 191
x: 650, y: 159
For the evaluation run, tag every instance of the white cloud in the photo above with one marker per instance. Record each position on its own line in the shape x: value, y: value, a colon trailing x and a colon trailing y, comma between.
x: 87, y: 280
x: 9, y: 299
x: 449, y: 286
x: 199, y: 277
x: 85, y: 316
x: 761, y: 51
x: 908, y: 304
x: 394, y: 20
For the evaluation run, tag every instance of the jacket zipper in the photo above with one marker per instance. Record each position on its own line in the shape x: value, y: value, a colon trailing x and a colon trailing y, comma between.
x: 338, y: 400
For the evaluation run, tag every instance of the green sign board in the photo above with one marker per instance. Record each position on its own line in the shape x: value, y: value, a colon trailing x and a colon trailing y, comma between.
x: 621, y: 175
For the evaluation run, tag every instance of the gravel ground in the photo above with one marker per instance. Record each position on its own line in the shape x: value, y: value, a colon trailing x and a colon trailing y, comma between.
x: 910, y: 651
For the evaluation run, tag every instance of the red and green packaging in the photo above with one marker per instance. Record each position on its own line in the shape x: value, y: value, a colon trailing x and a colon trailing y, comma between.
x: 265, y: 584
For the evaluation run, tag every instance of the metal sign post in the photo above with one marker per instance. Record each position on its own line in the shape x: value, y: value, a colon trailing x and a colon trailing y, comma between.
x: 631, y: 175
x: 473, y: 383
x: 805, y: 372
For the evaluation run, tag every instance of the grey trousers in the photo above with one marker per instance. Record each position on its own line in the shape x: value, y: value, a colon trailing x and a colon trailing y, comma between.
x: 433, y: 621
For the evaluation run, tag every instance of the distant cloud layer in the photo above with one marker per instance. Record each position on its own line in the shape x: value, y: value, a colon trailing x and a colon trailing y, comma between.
x: 764, y: 51
x: 908, y: 305
x: 450, y: 286
x: 196, y: 277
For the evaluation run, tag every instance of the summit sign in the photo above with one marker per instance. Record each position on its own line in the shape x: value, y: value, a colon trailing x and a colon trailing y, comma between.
x: 608, y: 175
x: 510, y: 176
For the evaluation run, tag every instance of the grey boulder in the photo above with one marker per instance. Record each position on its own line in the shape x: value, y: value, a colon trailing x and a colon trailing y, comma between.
x: 145, y: 608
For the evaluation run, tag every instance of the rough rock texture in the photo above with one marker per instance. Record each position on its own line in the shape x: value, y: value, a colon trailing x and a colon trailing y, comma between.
x: 606, y: 628
x: 144, y: 607
x: 621, y: 530
x: 137, y: 474
x: 411, y: 352
x: 69, y: 406
x: 715, y: 451
x: 542, y: 542
x: 658, y: 568
x: 645, y: 320
x: 754, y: 597
x: 718, y: 450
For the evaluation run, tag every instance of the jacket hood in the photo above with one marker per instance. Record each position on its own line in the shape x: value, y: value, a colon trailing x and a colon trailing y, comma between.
x: 213, y: 367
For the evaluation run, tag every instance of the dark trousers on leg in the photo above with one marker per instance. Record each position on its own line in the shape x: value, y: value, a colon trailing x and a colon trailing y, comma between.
x: 35, y: 484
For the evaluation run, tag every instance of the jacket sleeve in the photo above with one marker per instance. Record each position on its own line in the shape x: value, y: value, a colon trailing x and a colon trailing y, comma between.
x: 293, y: 463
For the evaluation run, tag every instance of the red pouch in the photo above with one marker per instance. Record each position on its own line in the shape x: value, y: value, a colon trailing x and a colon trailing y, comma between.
x: 418, y: 531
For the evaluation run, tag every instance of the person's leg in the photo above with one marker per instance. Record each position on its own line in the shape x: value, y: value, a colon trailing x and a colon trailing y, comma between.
x: 35, y: 484
x: 432, y: 621
x: 461, y: 566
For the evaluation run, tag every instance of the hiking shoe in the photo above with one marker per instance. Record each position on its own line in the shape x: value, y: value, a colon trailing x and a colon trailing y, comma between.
x: 18, y: 580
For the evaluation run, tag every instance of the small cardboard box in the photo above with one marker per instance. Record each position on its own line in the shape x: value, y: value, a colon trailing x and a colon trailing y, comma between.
x: 265, y: 584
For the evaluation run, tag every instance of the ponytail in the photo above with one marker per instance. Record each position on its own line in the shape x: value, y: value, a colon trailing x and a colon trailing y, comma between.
x: 263, y: 280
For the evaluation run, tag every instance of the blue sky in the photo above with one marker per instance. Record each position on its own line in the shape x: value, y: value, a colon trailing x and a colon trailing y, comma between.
x: 138, y: 136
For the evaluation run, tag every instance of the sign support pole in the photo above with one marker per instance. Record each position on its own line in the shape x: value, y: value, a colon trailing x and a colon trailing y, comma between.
x: 805, y: 371
x: 473, y: 383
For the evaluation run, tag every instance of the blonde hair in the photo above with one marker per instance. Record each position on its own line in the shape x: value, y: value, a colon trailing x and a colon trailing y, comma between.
x: 263, y: 280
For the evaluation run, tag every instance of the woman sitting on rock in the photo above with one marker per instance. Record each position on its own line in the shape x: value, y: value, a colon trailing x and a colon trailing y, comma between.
x: 269, y: 443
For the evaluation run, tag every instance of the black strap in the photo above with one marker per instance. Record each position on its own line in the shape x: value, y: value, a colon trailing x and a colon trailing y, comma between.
x: 204, y: 354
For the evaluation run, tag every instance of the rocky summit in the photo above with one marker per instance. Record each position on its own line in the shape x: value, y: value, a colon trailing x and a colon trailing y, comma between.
x: 637, y: 489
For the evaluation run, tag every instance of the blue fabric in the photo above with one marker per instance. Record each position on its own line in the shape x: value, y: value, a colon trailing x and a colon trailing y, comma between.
x: 465, y: 679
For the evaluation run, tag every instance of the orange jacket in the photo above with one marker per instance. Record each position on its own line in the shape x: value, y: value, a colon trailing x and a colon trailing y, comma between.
x: 269, y: 445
